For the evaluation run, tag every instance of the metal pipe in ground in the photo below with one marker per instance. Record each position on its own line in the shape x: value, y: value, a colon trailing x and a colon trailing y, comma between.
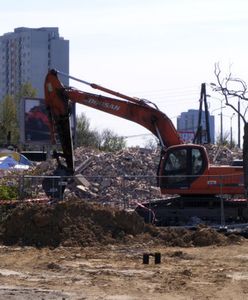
x: 222, y: 212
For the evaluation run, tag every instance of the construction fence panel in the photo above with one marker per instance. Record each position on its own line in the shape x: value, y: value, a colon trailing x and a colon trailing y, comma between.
x: 122, y: 191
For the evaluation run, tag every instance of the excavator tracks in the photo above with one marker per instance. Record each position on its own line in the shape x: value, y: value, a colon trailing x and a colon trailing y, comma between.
x: 190, y: 211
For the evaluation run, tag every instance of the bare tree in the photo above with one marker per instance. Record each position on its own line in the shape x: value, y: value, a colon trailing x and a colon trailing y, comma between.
x: 232, y: 89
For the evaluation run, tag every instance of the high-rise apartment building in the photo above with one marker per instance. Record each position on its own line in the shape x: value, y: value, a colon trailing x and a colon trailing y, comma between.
x: 187, y: 124
x: 26, y: 55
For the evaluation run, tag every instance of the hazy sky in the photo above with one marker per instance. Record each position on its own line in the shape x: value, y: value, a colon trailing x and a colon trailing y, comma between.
x: 158, y: 49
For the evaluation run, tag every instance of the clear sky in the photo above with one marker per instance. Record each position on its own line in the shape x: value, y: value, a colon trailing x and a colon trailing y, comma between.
x: 161, y: 50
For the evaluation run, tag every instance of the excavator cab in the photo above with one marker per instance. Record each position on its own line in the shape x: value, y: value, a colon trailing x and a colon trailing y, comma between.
x: 181, y: 165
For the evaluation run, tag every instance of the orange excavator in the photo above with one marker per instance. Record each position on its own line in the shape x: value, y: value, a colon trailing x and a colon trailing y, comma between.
x: 184, y: 169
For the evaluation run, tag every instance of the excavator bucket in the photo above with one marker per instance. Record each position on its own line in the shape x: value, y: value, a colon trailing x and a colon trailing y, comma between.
x: 54, y: 185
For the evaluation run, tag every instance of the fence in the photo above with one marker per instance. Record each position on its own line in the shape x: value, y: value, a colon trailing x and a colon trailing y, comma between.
x: 119, y: 191
x: 127, y: 191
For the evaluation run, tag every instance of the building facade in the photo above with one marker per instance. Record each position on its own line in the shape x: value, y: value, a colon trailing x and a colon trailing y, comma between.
x: 187, y: 124
x: 27, y: 54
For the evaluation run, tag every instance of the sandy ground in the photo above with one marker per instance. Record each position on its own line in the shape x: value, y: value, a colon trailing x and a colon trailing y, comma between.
x: 117, y: 273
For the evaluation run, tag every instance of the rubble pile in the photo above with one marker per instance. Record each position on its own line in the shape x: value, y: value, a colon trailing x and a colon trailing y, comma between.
x: 222, y: 155
x: 127, y: 175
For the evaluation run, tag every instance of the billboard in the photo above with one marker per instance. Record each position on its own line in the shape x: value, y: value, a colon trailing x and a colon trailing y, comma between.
x: 35, y: 125
x: 186, y: 136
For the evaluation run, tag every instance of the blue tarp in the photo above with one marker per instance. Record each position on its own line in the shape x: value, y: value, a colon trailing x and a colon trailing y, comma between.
x: 18, y: 157
x: 8, y: 162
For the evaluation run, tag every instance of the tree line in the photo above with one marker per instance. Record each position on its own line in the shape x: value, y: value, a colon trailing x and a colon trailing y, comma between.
x: 106, y: 140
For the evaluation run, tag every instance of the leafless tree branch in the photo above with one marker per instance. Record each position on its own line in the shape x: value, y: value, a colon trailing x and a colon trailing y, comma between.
x: 225, y: 87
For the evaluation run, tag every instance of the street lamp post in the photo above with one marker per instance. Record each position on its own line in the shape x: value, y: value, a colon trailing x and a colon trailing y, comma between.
x: 221, y: 124
x: 231, y: 129
x: 231, y: 133
x: 221, y: 117
x: 239, y: 145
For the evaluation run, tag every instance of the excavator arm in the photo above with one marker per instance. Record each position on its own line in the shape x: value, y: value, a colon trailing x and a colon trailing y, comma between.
x: 58, y: 99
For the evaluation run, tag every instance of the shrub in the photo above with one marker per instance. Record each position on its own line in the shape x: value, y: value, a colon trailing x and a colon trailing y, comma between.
x: 8, y: 192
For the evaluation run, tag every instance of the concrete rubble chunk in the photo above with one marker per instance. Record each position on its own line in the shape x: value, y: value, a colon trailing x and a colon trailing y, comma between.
x: 83, y: 165
x: 82, y: 188
x: 80, y: 179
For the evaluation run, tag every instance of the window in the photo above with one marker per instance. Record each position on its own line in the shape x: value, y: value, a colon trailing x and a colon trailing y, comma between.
x: 197, y: 161
x: 175, y: 169
x: 176, y: 161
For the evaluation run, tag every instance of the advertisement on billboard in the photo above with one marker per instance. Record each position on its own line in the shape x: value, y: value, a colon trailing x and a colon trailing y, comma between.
x: 187, y: 136
x: 35, y: 125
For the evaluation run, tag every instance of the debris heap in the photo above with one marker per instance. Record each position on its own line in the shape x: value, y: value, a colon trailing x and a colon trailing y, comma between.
x: 126, y: 176
x: 222, y: 155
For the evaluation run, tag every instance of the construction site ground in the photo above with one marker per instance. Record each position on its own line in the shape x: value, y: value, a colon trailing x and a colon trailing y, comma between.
x: 116, y: 272
x: 76, y: 250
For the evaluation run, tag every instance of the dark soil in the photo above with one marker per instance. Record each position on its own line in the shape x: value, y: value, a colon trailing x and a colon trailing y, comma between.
x: 78, y: 223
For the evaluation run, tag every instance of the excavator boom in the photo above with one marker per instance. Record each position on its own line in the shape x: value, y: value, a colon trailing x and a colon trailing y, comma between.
x: 132, y: 109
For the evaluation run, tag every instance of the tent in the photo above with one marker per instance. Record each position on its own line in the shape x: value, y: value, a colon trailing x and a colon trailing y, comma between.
x: 8, y: 162
x: 18, y: 157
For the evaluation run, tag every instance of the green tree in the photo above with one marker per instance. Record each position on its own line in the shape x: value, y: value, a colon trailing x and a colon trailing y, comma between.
x: 224, y: 140
x: 9, y: 122
x: 111, y: 141
x: 106, y: 141
x: 84, y: 135
x: 26, y: 91
x: 10, y: 114
x: 151, y: 143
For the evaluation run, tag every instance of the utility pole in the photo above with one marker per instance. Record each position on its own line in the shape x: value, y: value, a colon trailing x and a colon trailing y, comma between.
x: 198, y: 135
x: 206, y: 112
x: 221, y: 125
x: 231, y: 131
x: 239, y: 123
x: 199, y: 131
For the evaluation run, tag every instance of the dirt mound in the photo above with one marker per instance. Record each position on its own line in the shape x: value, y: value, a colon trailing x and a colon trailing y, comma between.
x: 73, y: 223
x: 78, y: 223
x: 199, y: 237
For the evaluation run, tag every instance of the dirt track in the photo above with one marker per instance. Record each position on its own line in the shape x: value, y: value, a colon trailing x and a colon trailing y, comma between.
x: 74, y: 250
x: 117, y: 272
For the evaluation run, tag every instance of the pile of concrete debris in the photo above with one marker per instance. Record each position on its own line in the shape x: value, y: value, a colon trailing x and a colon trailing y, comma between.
x: 126, y: 177
x: 123, y: 177
x: 222, y: 155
